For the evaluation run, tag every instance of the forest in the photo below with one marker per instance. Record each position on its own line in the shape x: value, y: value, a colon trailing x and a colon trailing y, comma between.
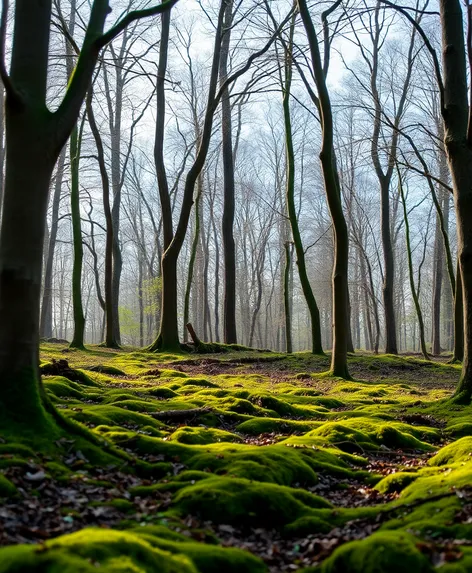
x: 235, y: 286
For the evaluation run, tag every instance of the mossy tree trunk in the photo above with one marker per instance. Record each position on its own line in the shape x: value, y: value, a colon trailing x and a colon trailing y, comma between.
x: 34, y: 139
x: 339, y: 365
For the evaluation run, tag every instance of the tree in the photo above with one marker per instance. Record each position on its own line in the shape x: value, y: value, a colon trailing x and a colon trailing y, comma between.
x: 377, y: 31
x: 316, y: 347
x: 34, y: 139
x: 168, y: 337
x: 229, y: 250
x: 414, y: 290
x: 457, y: 119
x: 333, y: 194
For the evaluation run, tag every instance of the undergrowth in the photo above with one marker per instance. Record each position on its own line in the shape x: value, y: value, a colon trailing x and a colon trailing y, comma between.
x: 194, y: 456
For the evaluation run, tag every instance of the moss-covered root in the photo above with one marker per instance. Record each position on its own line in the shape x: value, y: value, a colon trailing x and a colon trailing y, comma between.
x: 84, y: 551
x: 121, y: 552
x: 387, y: 552
x: 243, y: 502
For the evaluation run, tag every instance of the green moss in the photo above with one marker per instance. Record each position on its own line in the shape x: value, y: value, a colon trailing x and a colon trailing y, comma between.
x: 111, y: 415
x: 7, y: 489
x: 281, y: 407
x: 161, y: 392
x: 210, y: 558
x: 395, y: 482
x: 330, y: 403
x: 122, y: 504
x: 459, y: 430
x: 173, y: 374
x: 106, y: 369
x: 435, y: 519
x: 242, y: 502
x: 202, y: 382
x: 190, y: 435
x: 256, y: 426
x: 63, y: 387
x: 112, y: 551
x: 307, y: 525
x: 14, y: 448
x: 385, y: 552
x: 459, y: 451
x: 357, y: 434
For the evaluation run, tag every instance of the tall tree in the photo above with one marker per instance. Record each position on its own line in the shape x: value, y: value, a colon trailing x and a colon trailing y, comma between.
x: 339, y: 365
x: 316, y: 344
x: 168, y: 337
x: 229, y: 250
x: 34, y: 139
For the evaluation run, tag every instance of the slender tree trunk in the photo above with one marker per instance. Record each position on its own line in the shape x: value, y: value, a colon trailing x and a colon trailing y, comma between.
x: 168, y: 338
x: 458, y: 352
x: 45, y: 323
x: 414, y: 292
x: 389, y: 271
x: 356, y: 306
x: 191, y: 264
x: 313, y: 309
x: 229, y: 250
x: 333, y: 194
x: 287, y: 305
x: 110, y: 340
x: 141, y: 302
x: 438, y: 267
x: 217, y: 275
x: 79, y: 318
x: 207, y: 330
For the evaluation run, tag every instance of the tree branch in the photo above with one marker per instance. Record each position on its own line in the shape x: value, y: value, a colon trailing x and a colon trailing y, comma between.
x: 427, y: 43
x: 131, y: 17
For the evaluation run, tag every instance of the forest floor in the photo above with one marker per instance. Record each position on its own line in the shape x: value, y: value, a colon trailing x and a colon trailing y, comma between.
x: 242, y: 462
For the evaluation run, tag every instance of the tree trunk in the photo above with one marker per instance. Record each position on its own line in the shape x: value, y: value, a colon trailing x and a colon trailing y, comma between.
x: 458, y: 352
x: 316, y: 344
x: 414, y: 292
x: 389, y: 271
x: 191, y: 264
x: 28, y: 173
x: 229, y: 250
x: 168, y: 338
x: 457, y: 142
x: 45, y: 323
x: 287, y: 305
x: 79, y: 318
x: 333, y: 194
x: 110, y: 340
x: 438, y: 267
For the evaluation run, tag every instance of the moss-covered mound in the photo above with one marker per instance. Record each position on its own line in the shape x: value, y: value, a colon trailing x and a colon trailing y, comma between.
x: 243, y: 502
x: 115, y: 551
x: 387, y: 552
